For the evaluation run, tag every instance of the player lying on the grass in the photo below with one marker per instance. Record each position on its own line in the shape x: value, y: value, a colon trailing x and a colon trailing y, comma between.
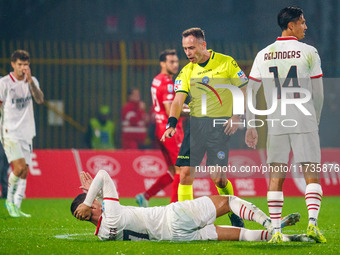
x: 182, y: 221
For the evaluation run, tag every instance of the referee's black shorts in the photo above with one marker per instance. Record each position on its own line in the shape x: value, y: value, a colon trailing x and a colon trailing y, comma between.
x: 200, y: 137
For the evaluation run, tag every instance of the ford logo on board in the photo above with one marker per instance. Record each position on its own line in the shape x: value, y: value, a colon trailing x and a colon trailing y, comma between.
x: 101, y: 162
x: 149, y: 166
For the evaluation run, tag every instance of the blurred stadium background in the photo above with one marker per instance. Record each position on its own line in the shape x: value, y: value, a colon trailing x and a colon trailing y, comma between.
x: 86, y: 53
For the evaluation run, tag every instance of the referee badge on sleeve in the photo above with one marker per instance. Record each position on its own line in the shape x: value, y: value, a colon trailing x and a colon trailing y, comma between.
x: 242, y: 76
x: 178, y: 85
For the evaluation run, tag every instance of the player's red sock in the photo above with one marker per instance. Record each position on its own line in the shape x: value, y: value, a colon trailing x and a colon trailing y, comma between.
x: 174, y: 194
x: 160, y: 184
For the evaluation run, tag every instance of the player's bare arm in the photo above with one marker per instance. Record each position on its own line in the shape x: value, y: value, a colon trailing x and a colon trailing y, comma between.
x: 232, y: 124
x: 167, y: 107
x: 184, y: 113
x: 251, y: 137
x: 37, y: 94
x: 175, y: 112
x: 318, y: 97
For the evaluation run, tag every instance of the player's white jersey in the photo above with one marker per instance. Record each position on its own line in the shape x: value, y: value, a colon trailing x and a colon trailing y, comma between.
x: 185, y: 221
x: 287, y: 63
x: 17, y: 108
x: 126, y: 222
x: 133, y: 223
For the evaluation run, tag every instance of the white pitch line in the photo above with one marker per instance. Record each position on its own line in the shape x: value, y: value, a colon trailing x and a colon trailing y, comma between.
x: 72, y: 236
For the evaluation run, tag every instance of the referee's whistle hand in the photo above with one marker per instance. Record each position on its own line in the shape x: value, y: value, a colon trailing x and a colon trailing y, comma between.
x: 170, y: 132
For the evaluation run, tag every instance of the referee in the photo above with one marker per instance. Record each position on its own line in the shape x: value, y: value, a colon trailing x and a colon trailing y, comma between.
x: 199, y: 77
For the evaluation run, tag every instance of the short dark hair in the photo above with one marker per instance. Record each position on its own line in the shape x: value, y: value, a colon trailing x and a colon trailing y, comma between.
x: 77, y: 201
x: 167, y: 52
x: 20, y: 54
x: 194, y: 31
x: 288, y: 14
x: 131, y: 90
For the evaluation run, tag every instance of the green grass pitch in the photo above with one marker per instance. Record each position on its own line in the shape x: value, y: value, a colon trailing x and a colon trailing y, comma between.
x: 53, y: 230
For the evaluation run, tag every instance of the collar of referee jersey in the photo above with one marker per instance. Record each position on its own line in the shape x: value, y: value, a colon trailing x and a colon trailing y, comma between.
x: 212, y: 55
x: 286, y: 38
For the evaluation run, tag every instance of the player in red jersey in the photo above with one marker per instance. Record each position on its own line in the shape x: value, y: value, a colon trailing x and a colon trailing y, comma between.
x: 162, y: 93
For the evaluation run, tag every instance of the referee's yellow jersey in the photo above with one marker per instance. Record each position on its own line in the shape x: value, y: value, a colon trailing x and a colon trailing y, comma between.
x: 200, y: 79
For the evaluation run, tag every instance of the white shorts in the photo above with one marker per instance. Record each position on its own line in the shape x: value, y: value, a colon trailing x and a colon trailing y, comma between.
x: 194, y: 220
x: 305, y: 146
x: 16, y: 149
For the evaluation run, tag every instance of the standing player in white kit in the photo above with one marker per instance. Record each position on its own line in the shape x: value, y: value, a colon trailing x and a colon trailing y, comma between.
x: 293, y: 70
x: 18, y: 126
